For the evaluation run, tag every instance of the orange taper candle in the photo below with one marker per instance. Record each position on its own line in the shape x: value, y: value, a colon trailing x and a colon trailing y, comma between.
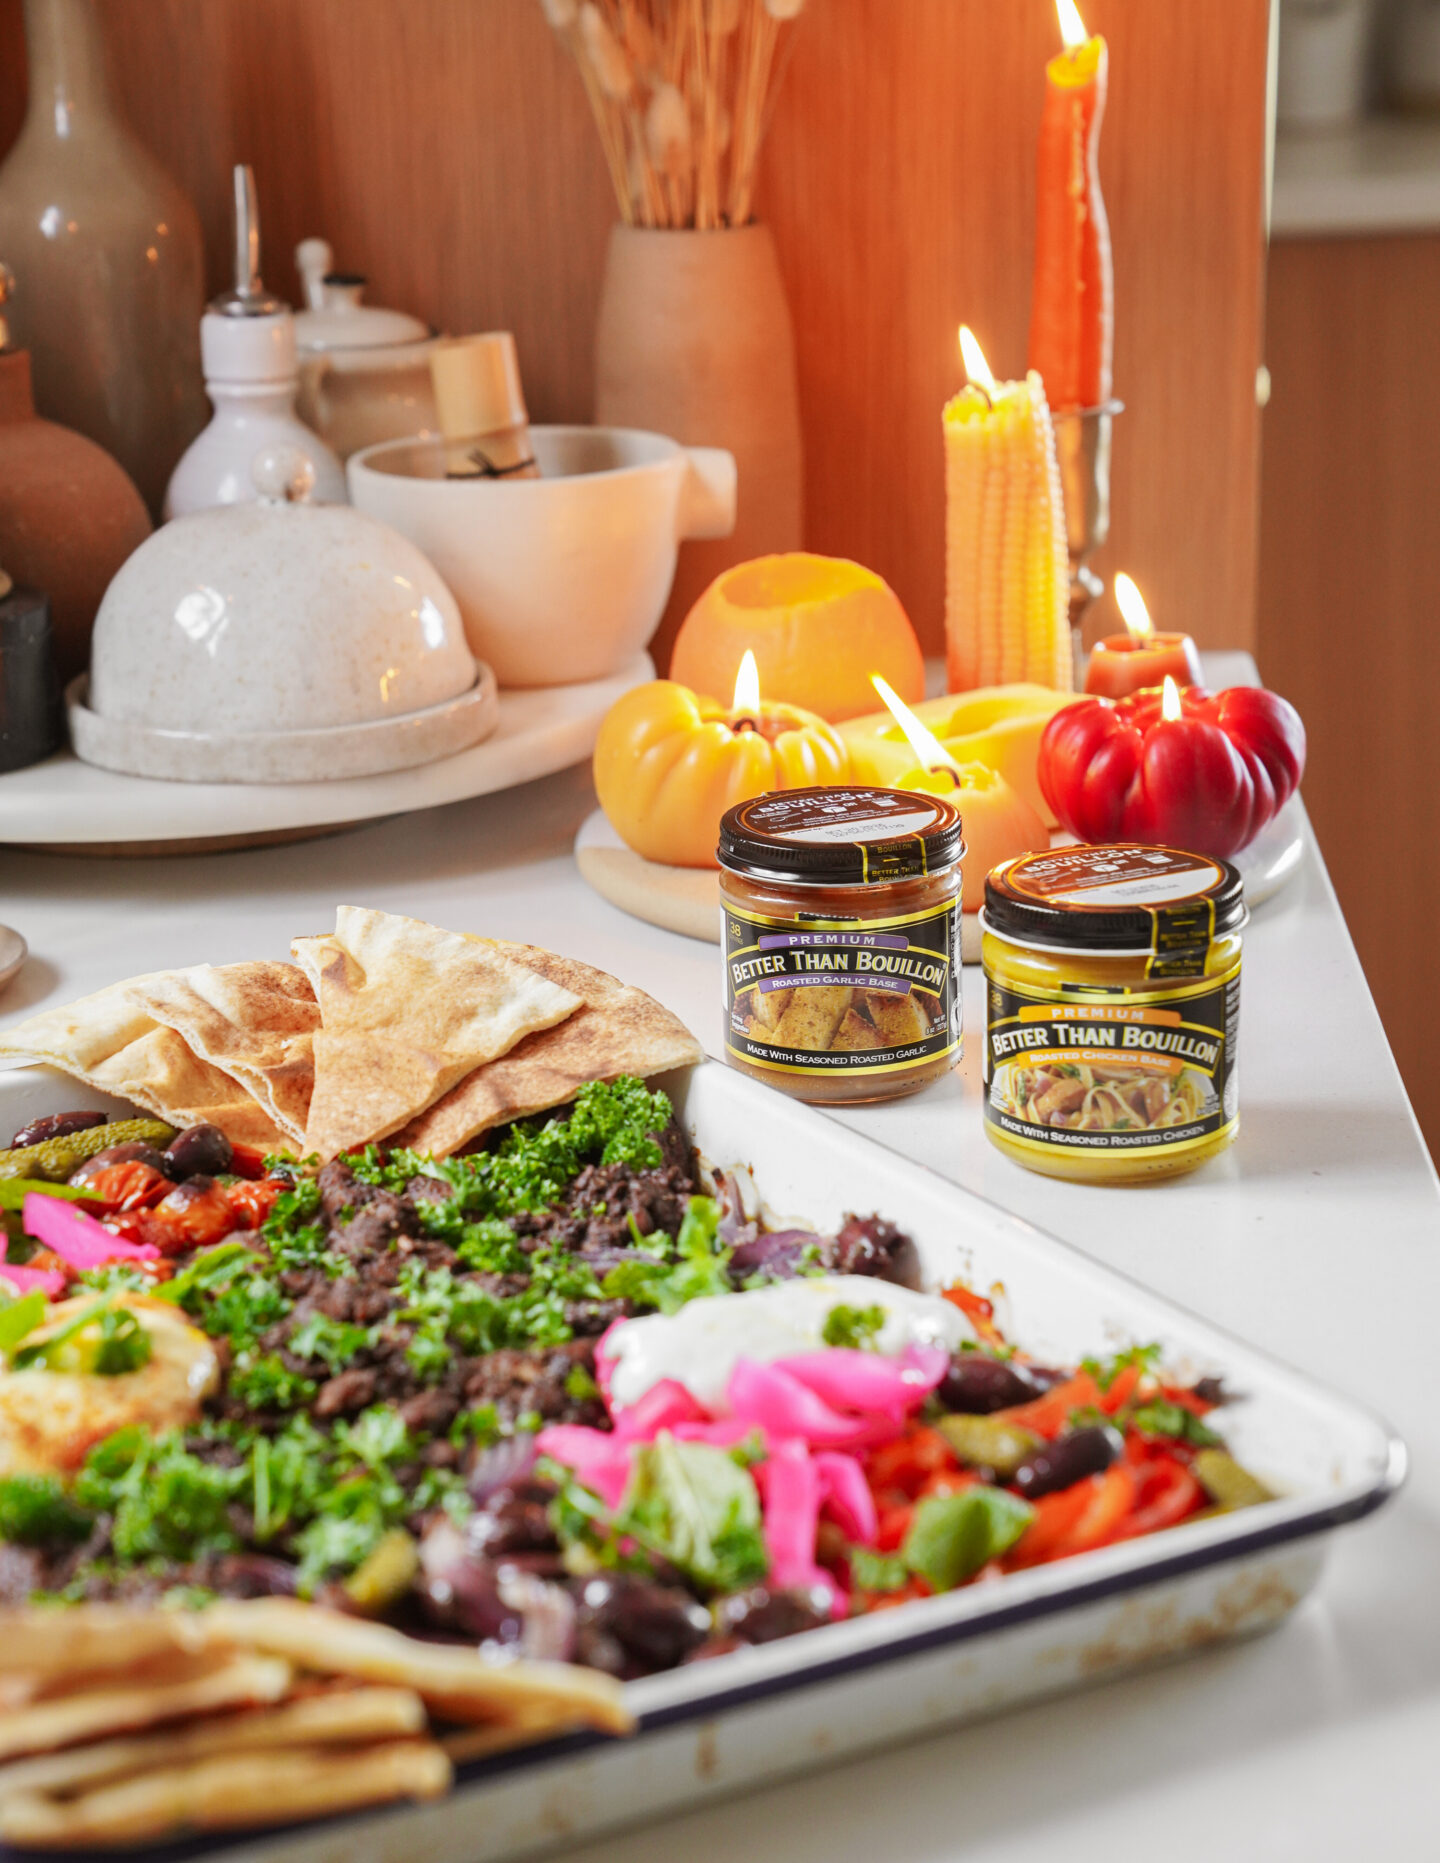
x: 1072, y: 311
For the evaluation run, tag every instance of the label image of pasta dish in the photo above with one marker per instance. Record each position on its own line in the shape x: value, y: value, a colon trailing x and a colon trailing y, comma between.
x: 1087, y: 1098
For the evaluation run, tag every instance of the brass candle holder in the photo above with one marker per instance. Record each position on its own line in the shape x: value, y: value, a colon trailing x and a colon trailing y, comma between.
x: 1082, y: 447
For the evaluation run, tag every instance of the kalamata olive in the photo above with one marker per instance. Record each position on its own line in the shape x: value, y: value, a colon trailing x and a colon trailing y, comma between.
x: 1069, y: 1459
x: 134, y: 1152
x: 761, y: 1615
x: 871, y: 1245
x: 977, y: 1384
x: 199, y: 1149
x: 55, y: 1125
x: 629, y: 1626
x: 514, y: 1519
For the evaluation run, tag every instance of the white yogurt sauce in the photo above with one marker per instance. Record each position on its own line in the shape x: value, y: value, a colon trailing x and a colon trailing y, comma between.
x: 699, y: 1345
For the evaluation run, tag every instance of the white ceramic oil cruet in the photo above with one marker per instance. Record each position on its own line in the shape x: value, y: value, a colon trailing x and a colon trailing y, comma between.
x: 252, y: 374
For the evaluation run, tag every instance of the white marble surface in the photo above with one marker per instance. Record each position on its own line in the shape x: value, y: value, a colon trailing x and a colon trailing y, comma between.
x: 1381, y: 175
x: 1318, y: 1236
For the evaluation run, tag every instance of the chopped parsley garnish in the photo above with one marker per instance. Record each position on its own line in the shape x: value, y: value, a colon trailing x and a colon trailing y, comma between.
x: 667, y: 1274
x: 856, y: 1327
x: 1162, y: 1418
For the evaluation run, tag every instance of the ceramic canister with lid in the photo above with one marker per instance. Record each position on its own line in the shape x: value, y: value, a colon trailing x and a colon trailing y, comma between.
x: 840, y: 912
x: 1112, y: 1010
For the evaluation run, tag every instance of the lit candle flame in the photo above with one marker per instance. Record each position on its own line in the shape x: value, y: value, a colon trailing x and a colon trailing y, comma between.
x: 1072, y: 27
x: 747, y: 687
x: 1170, y: 699
x: 930, y: 753
x: 1131, y: 604
x: 977, y: 369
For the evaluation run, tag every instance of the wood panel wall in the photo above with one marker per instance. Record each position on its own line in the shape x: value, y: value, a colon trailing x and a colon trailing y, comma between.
x: 1350, y: 598
x: 443, y: 146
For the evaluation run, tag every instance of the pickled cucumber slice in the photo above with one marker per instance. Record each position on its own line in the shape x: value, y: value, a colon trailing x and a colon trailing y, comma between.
x: 56, y: 1158
x: 986, y: 1442
x: 1228, y: 1484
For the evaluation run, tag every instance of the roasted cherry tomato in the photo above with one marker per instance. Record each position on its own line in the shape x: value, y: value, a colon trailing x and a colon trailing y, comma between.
x: 129, y: 1186
x: 252, y: 1202
x: 195, y: 1214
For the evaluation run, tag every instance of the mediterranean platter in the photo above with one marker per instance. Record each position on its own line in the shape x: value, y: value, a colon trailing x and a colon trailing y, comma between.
x: 707, y: 1438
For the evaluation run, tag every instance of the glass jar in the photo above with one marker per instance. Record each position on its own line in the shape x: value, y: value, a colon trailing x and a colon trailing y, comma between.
x: 1112, y: 1007
x: 840, y: 912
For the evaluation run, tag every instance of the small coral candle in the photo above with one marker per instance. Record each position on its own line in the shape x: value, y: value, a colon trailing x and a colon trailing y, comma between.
x: 669, y: 762
x: 1129, y: 662
x: 1007, y: 568
x: 1072, y: 313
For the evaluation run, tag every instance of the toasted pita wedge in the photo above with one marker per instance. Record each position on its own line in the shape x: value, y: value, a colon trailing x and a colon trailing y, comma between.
x: 256, y: 1022
x: 110, y: 1041
x: 46, y: 1644
x: 620, y: 1030
x: 234, y: 1789
x: 407, y: 1010
x: 66, y: 1720
x: 339, y: 1717
x: 458, y: 1683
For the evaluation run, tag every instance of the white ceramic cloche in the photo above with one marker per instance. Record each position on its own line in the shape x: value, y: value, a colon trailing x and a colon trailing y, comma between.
x: 278, y: 642
x: 364, y: 371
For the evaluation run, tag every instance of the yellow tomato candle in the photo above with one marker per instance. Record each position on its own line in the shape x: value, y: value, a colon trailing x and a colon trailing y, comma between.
x: 999, y: 726
x: 669, y: 762
x: 1130, y: 662
x: 1007, y: 567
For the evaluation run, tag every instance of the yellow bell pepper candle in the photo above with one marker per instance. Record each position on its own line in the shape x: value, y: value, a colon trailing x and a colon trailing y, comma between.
x: 669, y: 762
x: 1007, y: 568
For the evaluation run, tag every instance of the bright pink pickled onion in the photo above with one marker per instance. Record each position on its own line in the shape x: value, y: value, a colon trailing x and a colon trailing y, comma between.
x: 665, y: 1406
x: 599, y: 1457
x: 866, y: 1382
x: 846, y: 1495
x: 722, y: 1433
x: 790, y: 1486
x: 769, y: 1396
x: 25, y: 1280
x: 77, y: 1238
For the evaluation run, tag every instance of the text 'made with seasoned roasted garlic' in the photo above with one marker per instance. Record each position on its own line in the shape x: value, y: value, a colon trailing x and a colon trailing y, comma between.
x: 841, y: 928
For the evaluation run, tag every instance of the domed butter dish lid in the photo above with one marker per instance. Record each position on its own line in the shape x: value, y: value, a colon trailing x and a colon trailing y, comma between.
x: 278, y: 642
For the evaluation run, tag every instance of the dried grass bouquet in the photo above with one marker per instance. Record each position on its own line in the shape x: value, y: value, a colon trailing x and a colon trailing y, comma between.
x: 682, y: 92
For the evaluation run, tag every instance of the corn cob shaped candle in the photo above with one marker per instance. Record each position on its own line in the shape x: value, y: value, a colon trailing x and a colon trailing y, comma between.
x: 1007, y: 569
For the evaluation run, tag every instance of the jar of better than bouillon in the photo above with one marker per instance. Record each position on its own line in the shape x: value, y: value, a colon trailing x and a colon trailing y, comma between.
x: 1112, y: 1003
x: 840, y: 915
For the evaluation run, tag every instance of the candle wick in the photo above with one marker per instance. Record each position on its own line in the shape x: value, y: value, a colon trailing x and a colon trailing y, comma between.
x: 745, y: 724
x: 980, y: 389
x: 946, y: 769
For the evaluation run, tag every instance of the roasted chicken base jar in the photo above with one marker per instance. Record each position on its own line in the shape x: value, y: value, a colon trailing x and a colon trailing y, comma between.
x: 840, y: 922
x: 1112, y: 1011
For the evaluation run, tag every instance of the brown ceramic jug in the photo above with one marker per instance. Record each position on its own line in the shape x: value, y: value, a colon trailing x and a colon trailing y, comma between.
x: 69, y: 516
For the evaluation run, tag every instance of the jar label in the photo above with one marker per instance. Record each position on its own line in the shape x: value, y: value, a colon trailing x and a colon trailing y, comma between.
x: 823, y: 996
x: 1139, y: 1073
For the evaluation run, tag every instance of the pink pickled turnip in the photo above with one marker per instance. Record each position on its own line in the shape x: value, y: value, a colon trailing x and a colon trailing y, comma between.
x: 25, y: 1280
x: 866, y: 1382
x: 846, y: 1496
x: 77, y: 1238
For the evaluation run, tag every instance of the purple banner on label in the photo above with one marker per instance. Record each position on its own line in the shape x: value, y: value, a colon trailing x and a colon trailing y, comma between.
x: 843, y: 979
x: 850, y: 941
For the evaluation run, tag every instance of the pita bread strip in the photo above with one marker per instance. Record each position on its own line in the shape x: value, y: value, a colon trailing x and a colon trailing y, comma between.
x: 66, y: 1720
x: 225, y: 1792
x: 473, y: 1743
x: 620, y: 1030
x: 457, y: 1682
x: 340, y: 1718
x: 46, y: 1643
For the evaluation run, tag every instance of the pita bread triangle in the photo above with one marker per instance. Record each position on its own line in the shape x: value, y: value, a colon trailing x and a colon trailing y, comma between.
x: 408, y: 1010
x: 619, y: 1030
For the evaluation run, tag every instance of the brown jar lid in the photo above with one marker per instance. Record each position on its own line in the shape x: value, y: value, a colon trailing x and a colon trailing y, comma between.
x: 848, y: 836
x: 1112, y: 898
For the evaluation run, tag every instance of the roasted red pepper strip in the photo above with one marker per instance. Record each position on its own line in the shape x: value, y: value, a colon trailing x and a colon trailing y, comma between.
x: 247, y: 1161
x: 1167, y: 1493
x: 979, y: 1311
x: 1049, y: 1414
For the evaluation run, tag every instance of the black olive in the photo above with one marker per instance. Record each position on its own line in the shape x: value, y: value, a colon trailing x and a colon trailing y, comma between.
x: 134, y: 1152
x: 199, y: 1150
x: 514, y: 1519
x: 1069, y: 1459
x: 977, y: 1384
x: 761, y: 1615
x: 56, y: 1125
x: 632, y: 1627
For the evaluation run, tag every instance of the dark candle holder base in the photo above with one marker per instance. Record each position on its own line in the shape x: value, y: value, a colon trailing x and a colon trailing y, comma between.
x: 32, y: 724
x: 1082, y: 447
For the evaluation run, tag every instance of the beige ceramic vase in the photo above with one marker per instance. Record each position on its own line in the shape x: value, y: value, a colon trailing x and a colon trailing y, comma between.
x: 105, y: 248
x: 695, y: 341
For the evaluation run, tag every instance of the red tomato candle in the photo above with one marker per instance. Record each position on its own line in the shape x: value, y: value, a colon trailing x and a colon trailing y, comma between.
x: 1193, y: 770
x: 1129, y: 662
x: 1072, y: 311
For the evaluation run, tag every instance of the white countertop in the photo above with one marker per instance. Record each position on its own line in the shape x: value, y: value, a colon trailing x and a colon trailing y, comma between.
x: 1381, y: 175
x: 1317, y: 1236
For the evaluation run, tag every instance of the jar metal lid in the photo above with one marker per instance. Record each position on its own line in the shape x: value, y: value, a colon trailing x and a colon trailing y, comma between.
x: 847, y: 836
x: 1113, y: 898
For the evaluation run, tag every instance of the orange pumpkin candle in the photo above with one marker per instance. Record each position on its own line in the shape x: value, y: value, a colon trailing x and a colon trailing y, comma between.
x: 668, y: 762
x: 1072, y: 310
x: 1129, y: 662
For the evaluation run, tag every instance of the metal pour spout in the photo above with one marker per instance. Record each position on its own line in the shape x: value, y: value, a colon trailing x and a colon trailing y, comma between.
x: 249, y: 298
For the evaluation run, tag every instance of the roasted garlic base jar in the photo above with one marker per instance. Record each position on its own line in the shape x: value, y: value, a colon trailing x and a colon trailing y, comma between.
x: 840, y: 917
x: 1112, y: 1006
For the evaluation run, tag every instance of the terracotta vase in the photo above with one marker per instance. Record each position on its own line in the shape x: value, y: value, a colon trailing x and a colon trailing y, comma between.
x: 695, y: 341
x: 106, y: 252
x: 69, y: 516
